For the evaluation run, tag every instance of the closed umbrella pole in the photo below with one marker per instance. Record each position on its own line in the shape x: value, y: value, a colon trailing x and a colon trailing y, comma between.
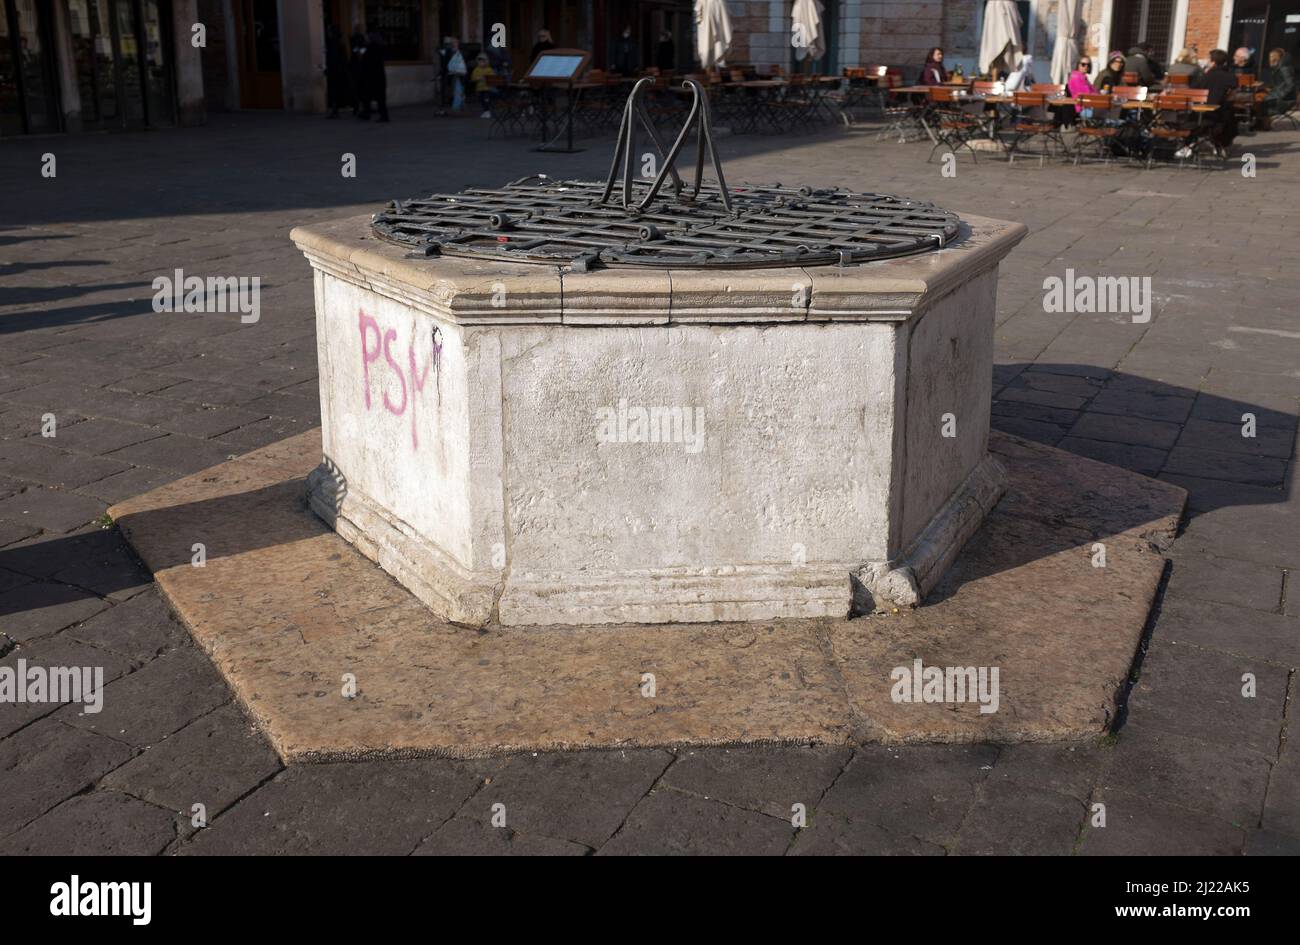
x: 1066, y: 51
x: 1000, y: 42
x: 712, y: 32
x: 807, y: 35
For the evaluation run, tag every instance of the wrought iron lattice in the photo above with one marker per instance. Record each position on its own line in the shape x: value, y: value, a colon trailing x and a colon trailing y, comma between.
x: 578, y: 224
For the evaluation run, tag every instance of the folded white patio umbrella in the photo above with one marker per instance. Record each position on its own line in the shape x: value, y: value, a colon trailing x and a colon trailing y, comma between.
x: 807, y: 35
x: 1001, y: 35
x: 712, y: 32
x: 1066, y: 51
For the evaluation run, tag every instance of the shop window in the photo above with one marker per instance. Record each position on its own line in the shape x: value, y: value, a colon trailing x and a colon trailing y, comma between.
x: 400, y: 25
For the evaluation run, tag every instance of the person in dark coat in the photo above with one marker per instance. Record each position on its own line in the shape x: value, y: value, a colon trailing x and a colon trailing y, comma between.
x: 932, y: 71
x: 1137, y: 62
x: 1281, y: 83
x: 1157, y: 67
x: 357, y: 47
x: 1112, y: 75
x: 336, y: 71
x: 544, y: 43
x: 666, y: 52
x: 373, y: 77
x: 1221, y: 82
x: 624, y: 59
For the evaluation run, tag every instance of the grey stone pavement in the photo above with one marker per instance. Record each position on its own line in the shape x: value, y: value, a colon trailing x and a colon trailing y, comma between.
x: 142, y: 398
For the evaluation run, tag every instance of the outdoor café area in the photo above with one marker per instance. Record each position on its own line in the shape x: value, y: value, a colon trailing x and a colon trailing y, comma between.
x: 1145, y: 117
x: 1168, y: 122
x: 746, y: 99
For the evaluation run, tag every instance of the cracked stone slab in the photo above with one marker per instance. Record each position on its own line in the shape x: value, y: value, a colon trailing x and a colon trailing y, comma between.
x: 289, y: 612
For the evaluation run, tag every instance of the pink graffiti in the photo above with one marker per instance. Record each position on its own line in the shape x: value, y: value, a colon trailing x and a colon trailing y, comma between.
x: 383, y: 344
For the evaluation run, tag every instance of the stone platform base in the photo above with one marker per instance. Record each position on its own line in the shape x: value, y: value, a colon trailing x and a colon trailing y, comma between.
x: 292, y: 614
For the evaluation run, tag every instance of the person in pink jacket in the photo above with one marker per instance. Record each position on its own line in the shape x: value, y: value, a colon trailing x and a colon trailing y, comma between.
x: 1079, y: 83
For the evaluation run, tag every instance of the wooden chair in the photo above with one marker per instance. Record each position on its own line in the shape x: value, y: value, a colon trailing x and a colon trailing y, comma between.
x: 1179, y: 80
x: 982, y: 87
x: 1247, y: 100
x: 1170, y: 126
x: 1097, y: 130
x: 902, y: 114
x: 953, y: 126
x: 510, y: 109
x: 1033, y: 121
x: 1130, y: 78
x: 1048, y: 88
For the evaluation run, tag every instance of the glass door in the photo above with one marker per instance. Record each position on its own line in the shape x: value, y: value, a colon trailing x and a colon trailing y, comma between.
x: 29, y: 93
x: 122, y: 63
x: 159, y: 100
x: 11, y: 97
x: 130, y: 75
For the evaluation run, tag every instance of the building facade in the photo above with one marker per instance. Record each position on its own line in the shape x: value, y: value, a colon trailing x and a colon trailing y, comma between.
x: 109, y: 65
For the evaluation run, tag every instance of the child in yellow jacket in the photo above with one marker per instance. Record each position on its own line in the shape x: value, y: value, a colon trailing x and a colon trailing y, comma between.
x: 479, y: 80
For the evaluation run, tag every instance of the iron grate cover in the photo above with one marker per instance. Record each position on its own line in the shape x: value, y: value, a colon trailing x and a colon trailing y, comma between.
x: 539, y: 220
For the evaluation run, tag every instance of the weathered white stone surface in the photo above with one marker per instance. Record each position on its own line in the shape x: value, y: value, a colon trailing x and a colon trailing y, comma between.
x: 485, y: 438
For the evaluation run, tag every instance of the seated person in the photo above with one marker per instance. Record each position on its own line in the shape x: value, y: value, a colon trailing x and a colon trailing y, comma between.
x: 1281, y: 83
x: 1137, y: 62
x: 1112, y: 75
x: 1185, y: 64
x: 1079, y: 84
x: 1243, y: 62
x: 933, y: 72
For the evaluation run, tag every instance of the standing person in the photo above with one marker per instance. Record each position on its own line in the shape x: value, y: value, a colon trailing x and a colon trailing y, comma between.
x: 499, y: 57
x: 666, y: 52
x: 376, y: 78
x: 1112, y: 75
x: 1221, y: 82
x: 444, y: 77
x: 479, y: 81
x: 932, y: 71
x: 624, y: 59
x: 336, y: 71
x: 456, y: 71
x: 544, y: 42
x: 357, y: 47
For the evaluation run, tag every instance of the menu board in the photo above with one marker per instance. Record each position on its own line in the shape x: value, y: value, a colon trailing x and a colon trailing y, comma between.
x: 558, y: 65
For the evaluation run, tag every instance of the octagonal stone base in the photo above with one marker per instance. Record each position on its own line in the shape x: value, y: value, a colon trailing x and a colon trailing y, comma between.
x: 284, y: 607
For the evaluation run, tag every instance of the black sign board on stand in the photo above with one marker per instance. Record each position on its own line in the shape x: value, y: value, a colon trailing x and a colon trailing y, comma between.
x: 557, y: 67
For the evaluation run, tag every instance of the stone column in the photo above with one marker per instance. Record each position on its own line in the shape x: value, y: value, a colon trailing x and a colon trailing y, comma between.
x: 302, y: 55
x: 189, y: 64
x: 69, y: 90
